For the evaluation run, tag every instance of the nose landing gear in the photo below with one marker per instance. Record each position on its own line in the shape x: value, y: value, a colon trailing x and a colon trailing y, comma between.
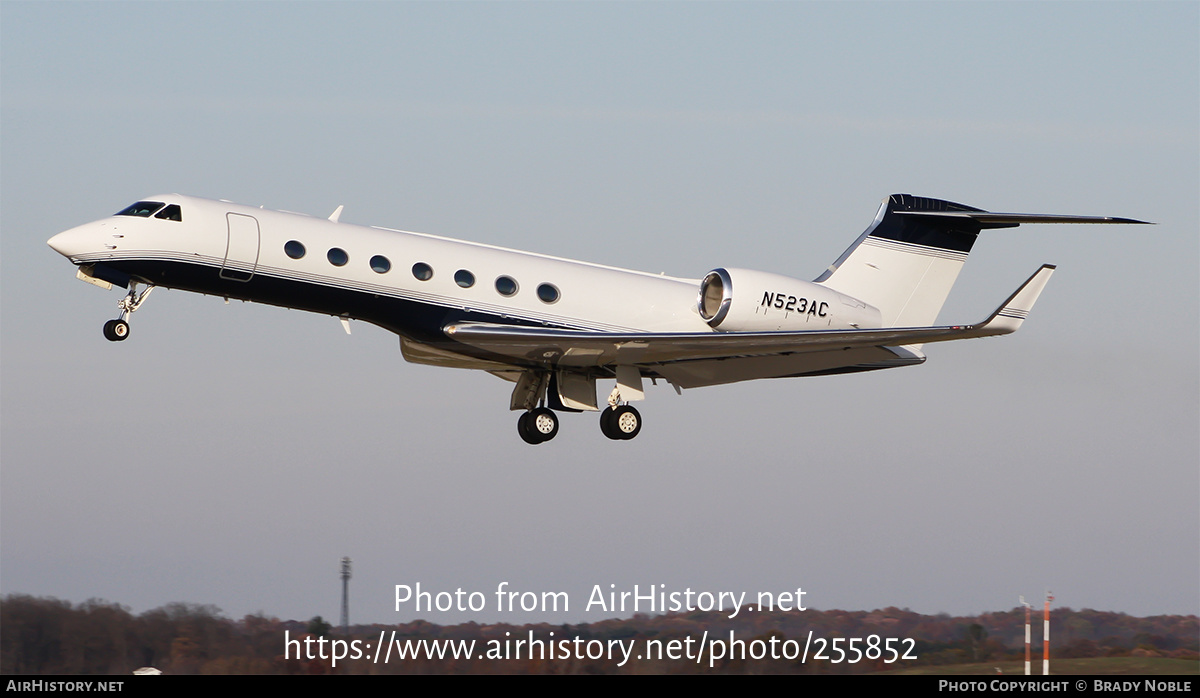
x: 117, y: 330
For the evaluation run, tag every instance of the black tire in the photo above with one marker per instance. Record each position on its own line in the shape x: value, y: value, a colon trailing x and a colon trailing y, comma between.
x: 608, y: 424
x: 626, y: 422
x: 116, y: 330
x: 526, y: 432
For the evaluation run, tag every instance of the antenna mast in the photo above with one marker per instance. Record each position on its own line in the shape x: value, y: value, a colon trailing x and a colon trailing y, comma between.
x: 345, y: 596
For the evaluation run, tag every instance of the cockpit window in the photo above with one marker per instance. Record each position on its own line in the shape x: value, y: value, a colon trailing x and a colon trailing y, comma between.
x: 170, y: 213
x: 142, y: 209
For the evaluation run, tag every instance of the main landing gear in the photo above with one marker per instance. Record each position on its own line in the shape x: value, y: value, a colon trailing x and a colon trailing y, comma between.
x: 538, y: 425
x: 620, y: 422
x: 117, y: 330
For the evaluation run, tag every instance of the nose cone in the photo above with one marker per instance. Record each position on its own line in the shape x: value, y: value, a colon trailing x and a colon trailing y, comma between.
x: 61, y: 243
x: 76, y: 241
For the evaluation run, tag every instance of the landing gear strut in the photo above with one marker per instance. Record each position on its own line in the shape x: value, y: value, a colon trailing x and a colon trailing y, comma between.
x: 538, y: 425
x: 117, y: 330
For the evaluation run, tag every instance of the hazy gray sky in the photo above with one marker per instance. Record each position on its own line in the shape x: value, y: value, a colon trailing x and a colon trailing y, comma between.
x: 231, y: 454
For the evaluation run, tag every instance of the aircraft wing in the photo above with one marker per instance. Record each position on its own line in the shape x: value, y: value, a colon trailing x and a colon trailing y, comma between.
x: 573, y: 348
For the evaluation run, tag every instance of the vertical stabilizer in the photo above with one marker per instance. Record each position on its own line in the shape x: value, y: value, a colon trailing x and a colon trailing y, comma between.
x: 906, y: 264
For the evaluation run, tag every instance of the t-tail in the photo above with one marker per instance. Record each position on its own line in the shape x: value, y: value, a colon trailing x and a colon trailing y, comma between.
x: 907, y: 261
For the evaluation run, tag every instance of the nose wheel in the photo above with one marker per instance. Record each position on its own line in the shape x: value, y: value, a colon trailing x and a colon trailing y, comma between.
x: 621, y: 422
x: 538, y: 425
x: 117, y: 330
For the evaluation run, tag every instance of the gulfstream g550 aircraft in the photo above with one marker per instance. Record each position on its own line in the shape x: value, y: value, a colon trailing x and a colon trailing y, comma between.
x: 555, y: 326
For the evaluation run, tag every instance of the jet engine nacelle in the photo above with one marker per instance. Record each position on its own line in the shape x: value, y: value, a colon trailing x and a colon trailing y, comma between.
x: 765, y: 302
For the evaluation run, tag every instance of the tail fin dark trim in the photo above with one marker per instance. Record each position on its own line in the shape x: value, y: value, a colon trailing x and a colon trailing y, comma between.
x: 956, y: 231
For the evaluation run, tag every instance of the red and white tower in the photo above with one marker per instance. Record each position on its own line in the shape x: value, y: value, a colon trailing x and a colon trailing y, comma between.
x: 1046, y: 634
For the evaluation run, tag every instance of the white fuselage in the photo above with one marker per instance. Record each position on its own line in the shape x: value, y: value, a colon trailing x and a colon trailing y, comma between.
x: 232, y: 250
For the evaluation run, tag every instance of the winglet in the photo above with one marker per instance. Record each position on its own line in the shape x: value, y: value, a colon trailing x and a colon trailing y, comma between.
x: 336, y: 214
x: 1009, y: 316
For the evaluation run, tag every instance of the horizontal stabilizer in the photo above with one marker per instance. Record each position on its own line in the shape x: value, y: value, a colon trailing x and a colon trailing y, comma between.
x: 1008, y: 317
x: 988, y: 219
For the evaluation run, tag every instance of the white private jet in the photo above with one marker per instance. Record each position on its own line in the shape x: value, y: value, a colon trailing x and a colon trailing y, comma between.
x: 555, y: 326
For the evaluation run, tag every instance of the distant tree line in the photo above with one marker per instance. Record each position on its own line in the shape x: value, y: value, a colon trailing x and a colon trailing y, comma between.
x: 41, y: 635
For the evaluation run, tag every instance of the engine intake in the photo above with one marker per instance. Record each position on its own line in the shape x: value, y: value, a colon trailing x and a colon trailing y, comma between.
x: 769, y: 302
